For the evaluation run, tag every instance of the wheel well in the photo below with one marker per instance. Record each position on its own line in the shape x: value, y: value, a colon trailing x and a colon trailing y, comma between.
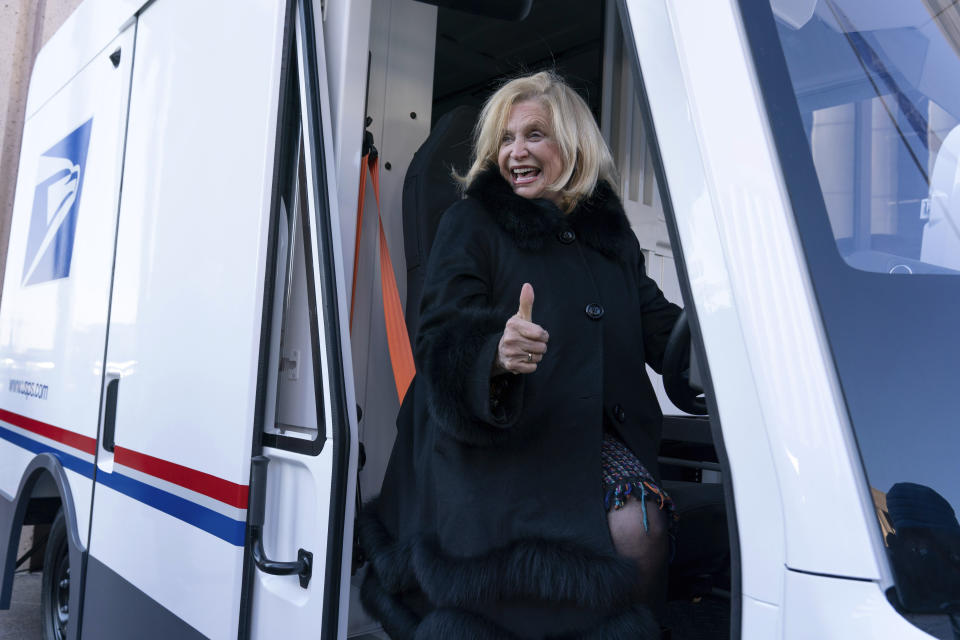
x: 44, y: 501
x: 42, y: 493
x: 42, y: 507
x: 41, y: 510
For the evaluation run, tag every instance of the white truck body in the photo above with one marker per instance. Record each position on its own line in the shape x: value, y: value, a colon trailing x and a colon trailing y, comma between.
x: 178, y: 292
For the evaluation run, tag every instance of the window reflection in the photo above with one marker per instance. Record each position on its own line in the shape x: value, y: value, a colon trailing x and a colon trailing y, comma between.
x: 875, y: 86
x: 875, y: 92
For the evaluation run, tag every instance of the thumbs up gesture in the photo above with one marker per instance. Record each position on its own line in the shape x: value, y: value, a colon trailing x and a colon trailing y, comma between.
x: 523, y: 343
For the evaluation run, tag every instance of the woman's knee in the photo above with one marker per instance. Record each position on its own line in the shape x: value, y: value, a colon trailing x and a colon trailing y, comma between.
x: 636, y: 531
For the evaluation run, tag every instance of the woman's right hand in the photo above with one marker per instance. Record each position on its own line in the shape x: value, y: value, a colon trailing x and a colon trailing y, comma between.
x: 523, y: 343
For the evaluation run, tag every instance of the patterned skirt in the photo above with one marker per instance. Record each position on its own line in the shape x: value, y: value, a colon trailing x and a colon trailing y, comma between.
x: 625, y: 476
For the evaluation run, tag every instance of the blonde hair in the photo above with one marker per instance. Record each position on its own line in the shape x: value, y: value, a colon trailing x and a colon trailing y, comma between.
x: 586, y: 159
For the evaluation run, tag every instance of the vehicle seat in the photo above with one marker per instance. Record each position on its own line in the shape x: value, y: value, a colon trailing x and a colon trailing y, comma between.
x: 701, y: 560
x: 428, y: 189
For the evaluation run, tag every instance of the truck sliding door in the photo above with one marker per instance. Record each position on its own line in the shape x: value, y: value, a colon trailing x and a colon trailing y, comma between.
x: 53, y: 322
x: 169, y: 516
x: 304, y: 493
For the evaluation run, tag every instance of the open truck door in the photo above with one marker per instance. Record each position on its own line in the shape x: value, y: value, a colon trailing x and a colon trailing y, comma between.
x: 224, y: 342
x: 307, y: 447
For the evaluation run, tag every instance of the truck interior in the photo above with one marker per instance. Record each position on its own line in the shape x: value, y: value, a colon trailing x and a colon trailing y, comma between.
x: 470, y: 55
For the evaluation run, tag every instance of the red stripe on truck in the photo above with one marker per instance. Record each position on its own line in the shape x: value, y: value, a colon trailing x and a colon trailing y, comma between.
x: 225, y: 491
x: 69, y: 438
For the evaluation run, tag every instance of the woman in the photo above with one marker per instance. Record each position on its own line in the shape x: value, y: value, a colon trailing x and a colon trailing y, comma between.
x: 520, y: 499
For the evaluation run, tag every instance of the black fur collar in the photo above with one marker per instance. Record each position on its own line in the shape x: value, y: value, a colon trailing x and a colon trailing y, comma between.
x: 599, y: 220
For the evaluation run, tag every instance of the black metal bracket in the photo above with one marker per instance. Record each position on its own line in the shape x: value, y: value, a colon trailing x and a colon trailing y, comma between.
x: 40, y: 546
x: 368, y: 146
x: 305, y: 559
x: 302, y: 566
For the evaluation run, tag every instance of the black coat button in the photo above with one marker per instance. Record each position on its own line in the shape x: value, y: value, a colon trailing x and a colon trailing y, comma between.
x: 594, y: 311
x: 567, y: 236
x: 619, y: 413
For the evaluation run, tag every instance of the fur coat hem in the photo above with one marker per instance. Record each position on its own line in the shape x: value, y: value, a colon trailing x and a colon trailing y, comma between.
x: 552, y: 572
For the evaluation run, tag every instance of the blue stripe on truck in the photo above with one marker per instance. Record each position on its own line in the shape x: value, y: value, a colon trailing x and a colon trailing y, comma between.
x: 217, y: 524
x: 73, y: 463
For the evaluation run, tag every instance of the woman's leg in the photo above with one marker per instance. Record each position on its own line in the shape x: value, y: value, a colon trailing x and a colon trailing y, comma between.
x: 646, y: 546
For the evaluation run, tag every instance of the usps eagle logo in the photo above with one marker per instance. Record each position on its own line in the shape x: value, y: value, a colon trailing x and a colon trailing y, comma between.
x: 56, y: 200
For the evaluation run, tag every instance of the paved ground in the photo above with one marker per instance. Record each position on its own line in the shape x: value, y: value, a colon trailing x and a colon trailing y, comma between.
x: 689, y: 620
x: 22, y: 620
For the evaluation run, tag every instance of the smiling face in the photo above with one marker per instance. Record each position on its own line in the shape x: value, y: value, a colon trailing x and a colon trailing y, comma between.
x: 529, y: 156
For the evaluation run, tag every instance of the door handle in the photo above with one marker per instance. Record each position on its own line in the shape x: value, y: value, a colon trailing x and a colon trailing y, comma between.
x: 110, y: 411
x: 303, y: 565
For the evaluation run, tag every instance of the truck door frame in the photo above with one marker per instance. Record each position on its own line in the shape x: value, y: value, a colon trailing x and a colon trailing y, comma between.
x: 304, y: 55
x: 623, y: 10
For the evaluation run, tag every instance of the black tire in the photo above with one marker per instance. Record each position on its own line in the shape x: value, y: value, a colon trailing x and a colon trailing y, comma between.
x: 55, y: 588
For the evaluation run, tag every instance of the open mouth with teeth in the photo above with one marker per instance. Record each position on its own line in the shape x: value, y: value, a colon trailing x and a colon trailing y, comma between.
x: 524, y: 175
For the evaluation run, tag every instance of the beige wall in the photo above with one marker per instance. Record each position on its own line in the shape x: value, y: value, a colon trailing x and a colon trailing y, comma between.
x: 25, y: 25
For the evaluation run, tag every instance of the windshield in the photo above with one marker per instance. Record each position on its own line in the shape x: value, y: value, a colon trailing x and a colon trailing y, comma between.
x: 864, y: 103
x: 876, y: 85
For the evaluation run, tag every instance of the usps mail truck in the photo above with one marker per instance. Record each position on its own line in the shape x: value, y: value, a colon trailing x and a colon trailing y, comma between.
x: 201, y: 338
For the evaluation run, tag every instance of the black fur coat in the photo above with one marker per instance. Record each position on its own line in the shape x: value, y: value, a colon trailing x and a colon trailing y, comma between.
x: 490, y: 523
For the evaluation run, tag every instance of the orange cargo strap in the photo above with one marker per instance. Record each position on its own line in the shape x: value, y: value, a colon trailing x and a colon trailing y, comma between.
x: 398, y: 341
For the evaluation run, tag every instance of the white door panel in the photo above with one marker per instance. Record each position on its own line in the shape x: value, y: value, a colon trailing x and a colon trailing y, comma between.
x: 297, y: 517
x: 56, y: 290
x: 753, y: 479
x: 832, y: 608
x: 185, y: 323
x: 309, y: 422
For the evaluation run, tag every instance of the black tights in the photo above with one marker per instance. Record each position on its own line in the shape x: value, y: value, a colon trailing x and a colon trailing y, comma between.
x: 646, y: 547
